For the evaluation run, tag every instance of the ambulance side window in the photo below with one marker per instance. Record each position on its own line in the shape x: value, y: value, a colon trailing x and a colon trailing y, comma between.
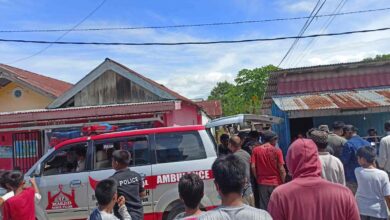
x: 180, y: 146
x: 68, y: 159
x: 137, y: 146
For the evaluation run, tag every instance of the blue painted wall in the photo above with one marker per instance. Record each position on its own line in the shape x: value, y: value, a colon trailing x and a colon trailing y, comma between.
x: 283, y: 129
x: 375, y: 120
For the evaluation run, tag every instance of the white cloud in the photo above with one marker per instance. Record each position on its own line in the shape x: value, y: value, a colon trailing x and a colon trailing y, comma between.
x: 196, y: 85
x: 194, y: 70
x: 299, y: 6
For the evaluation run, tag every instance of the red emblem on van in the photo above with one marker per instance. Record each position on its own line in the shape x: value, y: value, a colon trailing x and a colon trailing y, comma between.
x: 61, y: 200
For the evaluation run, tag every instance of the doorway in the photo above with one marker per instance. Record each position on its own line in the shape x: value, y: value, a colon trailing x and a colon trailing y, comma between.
x: 299, y: 127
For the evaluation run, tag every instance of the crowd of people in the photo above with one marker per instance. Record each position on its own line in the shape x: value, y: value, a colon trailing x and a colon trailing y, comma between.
x: 328, y: 174
x: 332, y: 174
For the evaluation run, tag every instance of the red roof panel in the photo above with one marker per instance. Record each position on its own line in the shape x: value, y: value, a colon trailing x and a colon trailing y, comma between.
x: 49, y: 85
x: 88, y: 111
x: 320, y: 82
x: 213, y: 108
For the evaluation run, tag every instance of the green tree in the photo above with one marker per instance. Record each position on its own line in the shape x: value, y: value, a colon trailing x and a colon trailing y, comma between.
x: 378, y: 58
x: 229, y: 96
x: 253, y: 84
x: 220, y: 90
x: 246, y: 95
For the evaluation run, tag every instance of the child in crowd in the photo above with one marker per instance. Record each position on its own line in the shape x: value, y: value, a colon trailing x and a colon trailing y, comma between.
x: 107, y: 197
x: 22, y: 204
x: 130, y: 184
x: 373, y: 190
x: 9, y: 191
x: 191, y: 191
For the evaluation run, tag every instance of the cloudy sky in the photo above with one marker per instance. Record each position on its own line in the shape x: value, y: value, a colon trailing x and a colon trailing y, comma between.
x: 190, y: 70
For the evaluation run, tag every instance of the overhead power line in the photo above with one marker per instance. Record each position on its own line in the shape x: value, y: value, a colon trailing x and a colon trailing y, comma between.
x: 312, y: 15
x: 196, y: 25
x: 62, y: 35
x: 326, y: 25
x: 192, y: 42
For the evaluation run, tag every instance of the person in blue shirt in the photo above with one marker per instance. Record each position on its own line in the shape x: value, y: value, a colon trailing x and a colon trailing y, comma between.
x: 348, y: 156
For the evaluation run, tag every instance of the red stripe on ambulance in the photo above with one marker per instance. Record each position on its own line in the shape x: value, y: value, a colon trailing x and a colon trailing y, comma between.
x: 151, y: 182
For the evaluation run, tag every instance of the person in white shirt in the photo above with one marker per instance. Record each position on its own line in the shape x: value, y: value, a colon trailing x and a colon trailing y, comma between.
x: 106, y: 196
x: 384, y: 150
x: 373, y: 192
x: 332, y: 167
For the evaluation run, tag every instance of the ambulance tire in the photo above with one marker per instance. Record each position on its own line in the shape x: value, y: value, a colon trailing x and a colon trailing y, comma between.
x: 175, y: 212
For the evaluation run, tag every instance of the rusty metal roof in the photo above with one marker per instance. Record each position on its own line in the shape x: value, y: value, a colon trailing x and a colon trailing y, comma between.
x: 53, y: 87
x: 344, y: 100
x: 213, y: 108
x: 326, y: 78
x: 87, y: 111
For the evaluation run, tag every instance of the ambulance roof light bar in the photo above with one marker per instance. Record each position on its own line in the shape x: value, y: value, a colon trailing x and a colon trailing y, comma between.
x: 98, y: 129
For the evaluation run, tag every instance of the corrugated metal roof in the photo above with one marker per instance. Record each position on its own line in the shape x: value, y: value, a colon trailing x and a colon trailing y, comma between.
x: 213, y: 108
x: 78, y: 112
x: 333, y: 66
x: 49, y: 85
x: 346, y: 100
x: 330, y: 81
x: 326, y: 78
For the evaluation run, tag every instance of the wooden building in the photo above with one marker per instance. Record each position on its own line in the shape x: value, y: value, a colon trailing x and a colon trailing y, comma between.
x: 110, y: 93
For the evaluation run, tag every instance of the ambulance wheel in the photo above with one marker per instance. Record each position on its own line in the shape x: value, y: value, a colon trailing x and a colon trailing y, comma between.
x: 175, y: 212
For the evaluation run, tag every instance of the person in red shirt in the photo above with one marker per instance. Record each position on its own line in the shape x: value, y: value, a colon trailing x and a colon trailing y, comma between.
x: 267, y: 167
x: 21, y: 205
x: 308, y: 196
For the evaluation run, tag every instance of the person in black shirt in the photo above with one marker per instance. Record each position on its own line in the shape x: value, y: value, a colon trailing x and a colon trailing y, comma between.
x: 223, y: 147
x: 251, y: 141
x: 130, y: 184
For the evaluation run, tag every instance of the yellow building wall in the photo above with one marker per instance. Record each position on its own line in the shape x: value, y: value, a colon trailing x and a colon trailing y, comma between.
x: 27, y: 101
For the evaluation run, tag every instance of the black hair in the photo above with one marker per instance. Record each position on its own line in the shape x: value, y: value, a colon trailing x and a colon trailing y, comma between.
x: 387, y: 125
x: 3, y: 181
x: 242, y: 135
x: 350, y: 128
x: 105, y: 191
x: 338, y: 125
x: 14, y: 179
x: 229, y: 174
x: 122, y: 157
x: 254, y: 135
x: 321, y: 145
x: 224, y: 137
x: 269, y: 136
x: 191, y: 189
x: 368, y: 153
x: 371, y: 130
x: 81, y: 152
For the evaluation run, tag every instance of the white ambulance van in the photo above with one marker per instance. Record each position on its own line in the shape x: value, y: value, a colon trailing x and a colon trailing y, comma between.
x: 160, y: 155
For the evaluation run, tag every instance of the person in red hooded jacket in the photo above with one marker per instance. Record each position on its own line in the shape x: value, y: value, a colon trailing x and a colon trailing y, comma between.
x: 308, y: 196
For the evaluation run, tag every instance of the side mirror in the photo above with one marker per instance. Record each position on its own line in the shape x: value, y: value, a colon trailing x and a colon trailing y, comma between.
x: 37, y: 171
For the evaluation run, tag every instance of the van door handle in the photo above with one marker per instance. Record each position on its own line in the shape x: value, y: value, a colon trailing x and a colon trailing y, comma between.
x: 75, y: 183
